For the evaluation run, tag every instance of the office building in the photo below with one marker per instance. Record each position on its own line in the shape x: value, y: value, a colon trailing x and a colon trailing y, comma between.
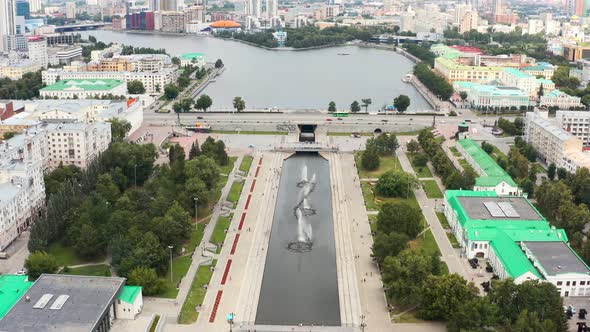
x: 544, y: 69
x: 23, y: 9
x: 454, y: 72
x: 172, y: 21
x: 195, y: 59
x: 64, y: 55
x: 7, y: 21
x: 84, y: 89
x: 516, y: 240
x: 36, y: 5
x: 481, y: 96
x: 71, y: 10
x: 38, y: 50
x: 576, y: 123
x: 57, y: 302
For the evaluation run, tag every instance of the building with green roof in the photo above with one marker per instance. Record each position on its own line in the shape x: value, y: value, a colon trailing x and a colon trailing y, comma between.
x: 516, y: 239
x: 130, y: 302
x: 491, y: 176
x: 84, y: 89
x: 12, y: 288
x: 194, y: 59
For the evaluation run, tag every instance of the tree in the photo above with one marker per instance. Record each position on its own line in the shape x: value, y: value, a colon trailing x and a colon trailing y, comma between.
x: 551, y: 171
x: 92, y: 39
x: 404, y: 274
x: 176, y: 153
x: 183, y: 81
x: 176, y: 61
x: 370, y: 160
x: 195, y: 151
x: 366, y: 102
x: 177, y: 109
x: 218, y: 63
x: 186, y: 103
x: 119, y: 128
x: 586, y: 100
x: 395, y: 184
x: 441, y: 296
x: 135, y: 87
x: 420, y: 160
x: 40, y: 262
x: 478, y: 314
x: 171, y: 91
x: 463, y: 95
x: 355, y: 107
x: 399, y: 217
x: 540, y: 93
x: 488, y: 148
x: 148, y: 279
x: 203, y: 168
x: 562, y: 173
x: 413, y: 147
x: 401, y: 103
x: 388, y: 245
x: 239, y: 104
x: 204, y: 102
x: 385, y: 144
x: 332, y: 107
x: 8, y: 135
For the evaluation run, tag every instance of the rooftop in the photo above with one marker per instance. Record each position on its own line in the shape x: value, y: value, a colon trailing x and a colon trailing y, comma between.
x: 494, y: 173
x: 190, y: 56
x: 129, y: 293
x: 557, y: 258
x: 548, y: 126
x: 86, y: 85
x: 483, y: 208
x: 89, y: 298
x: 454, y: 65
x: 517, y: 73
x: 12, y: 288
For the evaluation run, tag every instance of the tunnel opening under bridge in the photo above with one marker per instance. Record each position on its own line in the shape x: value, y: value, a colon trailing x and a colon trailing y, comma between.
x: 307, y: 132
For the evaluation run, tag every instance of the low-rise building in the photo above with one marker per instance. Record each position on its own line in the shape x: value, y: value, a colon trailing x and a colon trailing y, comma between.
x: 521, y: 80
x: 575, y: 52
x: 544, y: 69
x: 16, y: 70
x: 194, y: 59
x: 455, y: 72
x: 64, y: 55
x: 83, y: 89
x: 491, y: 176
x: 59, y: 302
x: 560, y: 99
x: 485, y: 96
x: 516, y: 240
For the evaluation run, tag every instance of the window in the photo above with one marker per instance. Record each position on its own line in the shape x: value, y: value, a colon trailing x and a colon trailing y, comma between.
x: 567, y: 283
x: 559, y: 283
x: 582, y: 283
x: 573, y: 283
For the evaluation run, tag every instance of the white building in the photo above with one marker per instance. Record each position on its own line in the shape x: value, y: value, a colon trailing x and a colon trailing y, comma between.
x: 84, y: 89
x: 17, y: 70
x: 576, y: 123
x: 7, y: 21
x: 38, y: 50
x: 553, y: 144
x: 77, y: 143
x: 64, y: 55
x: 153, y: 82
x: 516, y: 78
x: 561, y: 100
x: 71, y: 10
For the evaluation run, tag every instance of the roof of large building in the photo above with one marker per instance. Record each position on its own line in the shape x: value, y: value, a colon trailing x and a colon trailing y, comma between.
x: 12, y: 288
x: 63, y: 303
x: 548, y: 126
x: 540, y: 66
x: 225, y: 24
x: 494, y: 173
x: 517, y: 73
x: 467, y: 49
x: 86, y: 85
x: 557, y: 258
x: 449, y: 63
x: 491, y: 90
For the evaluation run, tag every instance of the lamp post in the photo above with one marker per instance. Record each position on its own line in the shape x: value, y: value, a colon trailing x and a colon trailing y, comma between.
x: 230, y: 320
x: 363, y: 325
x: 196, y: 219
x: 171, y: 277
x: 135, y: 174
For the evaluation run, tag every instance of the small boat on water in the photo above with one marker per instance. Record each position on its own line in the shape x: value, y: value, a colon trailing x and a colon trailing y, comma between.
x: 407, y: 78
x: 343, y: 53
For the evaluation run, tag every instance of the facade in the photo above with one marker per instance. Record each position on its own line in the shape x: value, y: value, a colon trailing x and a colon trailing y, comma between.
x: 70, y: 10
x: 7, y: 23
x: 153, y: 82
x: 172, y: 21
x: 23, y: 9
x: 553, y: 144
x: 576, y: 123
x: 130, y: 302
x: 521, y: 80
x: 491, y: 176
x: 77, y: 143
x: 57, y: 302
x: 83, y: 89
x: 560, y: 99
x: 64, y: 55
x: 17, y: 70
x: 516, y: 239
x: 575, y: 52
x: 454, y: 72
x: 38, y: 50
x: 485, y: 96
x: 544, y: 69
x: 110, y: 64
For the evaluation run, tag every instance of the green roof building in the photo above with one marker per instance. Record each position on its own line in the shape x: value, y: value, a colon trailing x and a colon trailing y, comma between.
x: 84, y: 89
x: 492, y: 176
x: 195, y: 59
x: 516, y: 239
x: 12, y: 288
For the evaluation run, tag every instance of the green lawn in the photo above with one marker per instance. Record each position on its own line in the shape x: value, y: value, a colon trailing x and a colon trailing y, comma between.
x: 246, y: 163
x: 425, y: 242
x: 249, y: 132
x: 443, y: 220
x: 372, y: 204
x: 196, y: 295
x: 497, y: 153
x: 408, y: 317
x: 386, y: 164
x: 100, y: 270
x: 228, y: 168
x: 218, y: 235
x: 235, y: 191
x: 453, y: 240
x: 67, y: 256
x: 455, y: 152
x: 421, y: 171
x: 431, y: 188
x: 214, y: 195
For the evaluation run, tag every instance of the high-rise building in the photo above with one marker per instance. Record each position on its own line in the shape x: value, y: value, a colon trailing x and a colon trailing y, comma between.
x: 498, y: 7
x: 35, y: 5
x: 7, y: 23
x: 254, y: 8
x: 272, y: 8
x: 23, y: 9
x: 460, y: 10
x: 71, y: 10
x: 38, y: 50
x: 468, y: 22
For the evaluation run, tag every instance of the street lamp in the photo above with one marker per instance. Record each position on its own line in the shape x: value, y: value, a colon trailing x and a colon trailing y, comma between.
x: 196, y: 219
x: 171, y: 277
x: 363, y: 325
x: 135, y: 174
x: 230, y: 320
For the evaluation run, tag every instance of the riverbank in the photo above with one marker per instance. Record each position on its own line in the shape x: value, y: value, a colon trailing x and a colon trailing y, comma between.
x: 280, y: 48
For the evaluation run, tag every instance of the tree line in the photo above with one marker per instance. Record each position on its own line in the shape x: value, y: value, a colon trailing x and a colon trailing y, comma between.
x: 422, y: 52
x: 24, y: 88
x: 437, y: 84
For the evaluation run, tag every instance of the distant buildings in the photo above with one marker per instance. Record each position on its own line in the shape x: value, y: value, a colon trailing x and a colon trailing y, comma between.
x: 194, y: 59
x: 574, y: 52
x: 562, y: 100
x: 38, y: 50
x: 16, y: 70
x: 576, y: 123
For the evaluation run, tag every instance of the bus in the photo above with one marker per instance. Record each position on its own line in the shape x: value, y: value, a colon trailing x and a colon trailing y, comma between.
x: 340, y: 114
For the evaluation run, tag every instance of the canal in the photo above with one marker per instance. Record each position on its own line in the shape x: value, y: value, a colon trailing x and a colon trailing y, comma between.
x: 289, y: 79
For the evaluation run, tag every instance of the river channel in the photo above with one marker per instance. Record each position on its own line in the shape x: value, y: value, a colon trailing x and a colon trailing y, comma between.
x: 289, y: 79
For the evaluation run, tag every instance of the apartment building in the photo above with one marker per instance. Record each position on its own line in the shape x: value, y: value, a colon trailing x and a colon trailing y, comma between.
x: 76, y: 143
x: 172, y: 21
x: 110, y: 64
x: 38, y: 50
x: 576, y: 123
x: 554, y: 144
